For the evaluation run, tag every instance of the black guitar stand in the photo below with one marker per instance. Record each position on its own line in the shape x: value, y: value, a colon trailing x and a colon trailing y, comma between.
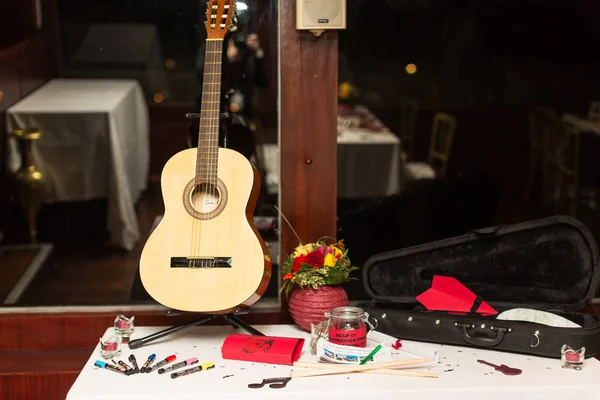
x: 232, y: 318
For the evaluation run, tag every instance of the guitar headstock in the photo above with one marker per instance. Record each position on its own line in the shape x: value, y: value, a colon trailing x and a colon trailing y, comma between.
x: 220, y: 18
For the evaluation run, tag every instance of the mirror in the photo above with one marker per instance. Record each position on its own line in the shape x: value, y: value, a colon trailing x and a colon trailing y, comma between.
x: 105, y: 93
x: 444, y: 109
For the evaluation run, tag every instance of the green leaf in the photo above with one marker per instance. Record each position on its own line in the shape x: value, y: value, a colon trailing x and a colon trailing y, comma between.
x: 335, y: 277
x: 305, y: 267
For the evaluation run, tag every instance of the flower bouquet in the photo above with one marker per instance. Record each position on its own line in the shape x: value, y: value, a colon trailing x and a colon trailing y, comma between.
x: 317, y: 264
x: 348, y: 94
x: 312, y: 275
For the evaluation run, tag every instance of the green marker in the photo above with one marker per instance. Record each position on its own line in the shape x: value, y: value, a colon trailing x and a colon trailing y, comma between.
x: 371, y: 354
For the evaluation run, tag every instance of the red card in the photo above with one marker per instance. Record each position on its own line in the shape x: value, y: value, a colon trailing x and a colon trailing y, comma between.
x: 263, y: 349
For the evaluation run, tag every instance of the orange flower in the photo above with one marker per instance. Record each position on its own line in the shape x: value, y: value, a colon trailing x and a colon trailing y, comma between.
x: 288, y: 277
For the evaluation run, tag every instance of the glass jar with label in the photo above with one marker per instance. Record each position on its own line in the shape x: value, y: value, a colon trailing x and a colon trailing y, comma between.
x: 347, y: 326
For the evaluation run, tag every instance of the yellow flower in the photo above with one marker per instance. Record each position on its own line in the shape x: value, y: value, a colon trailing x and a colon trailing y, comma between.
x: 329, y: 260
x: 303, y: 250
x: 344, y: 91
x: 338, y: 253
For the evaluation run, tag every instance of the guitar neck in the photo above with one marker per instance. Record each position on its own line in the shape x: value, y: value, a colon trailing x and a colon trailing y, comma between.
x: 208, y: 139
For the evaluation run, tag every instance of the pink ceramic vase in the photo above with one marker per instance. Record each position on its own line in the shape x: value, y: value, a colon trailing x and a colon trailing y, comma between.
x: 308, y: 306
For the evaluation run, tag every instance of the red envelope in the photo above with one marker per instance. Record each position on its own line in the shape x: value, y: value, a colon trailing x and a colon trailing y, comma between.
x: 263, y: 349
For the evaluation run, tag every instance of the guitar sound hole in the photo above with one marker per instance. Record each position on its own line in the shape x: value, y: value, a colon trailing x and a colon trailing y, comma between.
x: 205, y: 197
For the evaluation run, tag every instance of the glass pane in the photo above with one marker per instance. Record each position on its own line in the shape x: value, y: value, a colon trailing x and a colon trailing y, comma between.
x: 455, y: 116
x: 102, y: 95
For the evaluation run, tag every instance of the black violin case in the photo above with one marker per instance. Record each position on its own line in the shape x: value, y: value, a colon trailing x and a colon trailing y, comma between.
x: 549, y: 264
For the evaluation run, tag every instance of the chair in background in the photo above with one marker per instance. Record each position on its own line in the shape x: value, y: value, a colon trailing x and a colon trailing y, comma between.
x: 540, y: 118
x: 440, y: 145
x: 408, y: 121
x: 560, y: 185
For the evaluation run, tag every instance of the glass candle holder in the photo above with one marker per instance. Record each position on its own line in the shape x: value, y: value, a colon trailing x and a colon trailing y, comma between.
x: 110, y: 347
x: 124, y: 327
x: 570, y: 358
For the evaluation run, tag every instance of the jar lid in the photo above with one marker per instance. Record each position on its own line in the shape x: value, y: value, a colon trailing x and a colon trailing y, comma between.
x: 346, y: 312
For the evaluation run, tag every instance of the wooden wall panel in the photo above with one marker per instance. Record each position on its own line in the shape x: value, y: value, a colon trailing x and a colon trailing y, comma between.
x: 308, y: 139
x: 77, y: 331
x: 34, y: 386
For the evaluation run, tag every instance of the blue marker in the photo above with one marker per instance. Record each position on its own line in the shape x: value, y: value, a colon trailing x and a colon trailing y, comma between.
x: 109, y: 367
x: 147, y: 363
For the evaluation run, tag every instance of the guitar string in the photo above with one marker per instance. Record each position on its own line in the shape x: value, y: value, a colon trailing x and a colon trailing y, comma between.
x: 214, y: 122
x: 216, y: 132
x: 205, y: 154
x: 214, y: 106
x: 212, y: 94
x: 215, y: 128
x: 207, y: 188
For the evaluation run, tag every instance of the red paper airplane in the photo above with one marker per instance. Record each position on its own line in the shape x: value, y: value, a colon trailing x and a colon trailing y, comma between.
x: 448, y: 294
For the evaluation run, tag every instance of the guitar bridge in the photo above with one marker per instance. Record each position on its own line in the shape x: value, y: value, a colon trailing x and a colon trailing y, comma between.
x: 200, y: 262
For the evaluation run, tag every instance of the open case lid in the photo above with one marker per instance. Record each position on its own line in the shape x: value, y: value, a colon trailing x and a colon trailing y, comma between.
x: 547, y: 264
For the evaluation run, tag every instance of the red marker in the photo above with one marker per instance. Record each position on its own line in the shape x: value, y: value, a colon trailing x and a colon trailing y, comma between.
x: 161, y: 363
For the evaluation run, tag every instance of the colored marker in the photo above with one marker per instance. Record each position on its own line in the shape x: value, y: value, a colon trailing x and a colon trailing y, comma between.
x: 128, y: 369
x: 132, y: 360
x: 371, y: 354
x: 162, y: 362
x: 173, y: 367
x: 109, y: 367
x: 205, y: 366
x: 147, y: 363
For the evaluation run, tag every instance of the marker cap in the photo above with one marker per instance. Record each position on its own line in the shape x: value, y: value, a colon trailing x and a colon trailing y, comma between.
x: 207, y: 365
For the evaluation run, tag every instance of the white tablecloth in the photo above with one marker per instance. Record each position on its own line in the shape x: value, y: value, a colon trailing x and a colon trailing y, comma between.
x: 368, y: 163
x: 460, y: 376
x: 94, y: 144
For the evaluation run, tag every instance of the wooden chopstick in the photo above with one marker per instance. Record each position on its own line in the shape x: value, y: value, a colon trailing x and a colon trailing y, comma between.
x: 380, y: 371
x: 358, y: 368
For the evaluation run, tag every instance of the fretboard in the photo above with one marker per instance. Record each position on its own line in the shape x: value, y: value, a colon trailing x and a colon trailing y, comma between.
x: 208, y: 139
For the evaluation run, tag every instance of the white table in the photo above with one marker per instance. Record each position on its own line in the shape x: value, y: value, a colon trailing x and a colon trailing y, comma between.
x: 460, y: 376
x: 94, y: 144
x: 368, y: 163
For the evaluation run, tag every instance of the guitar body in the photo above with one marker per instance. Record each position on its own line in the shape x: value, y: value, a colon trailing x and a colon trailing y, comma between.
x: 206, y: 255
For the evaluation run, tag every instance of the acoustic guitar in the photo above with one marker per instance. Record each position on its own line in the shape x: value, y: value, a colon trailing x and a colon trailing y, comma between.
x: 206, y: 254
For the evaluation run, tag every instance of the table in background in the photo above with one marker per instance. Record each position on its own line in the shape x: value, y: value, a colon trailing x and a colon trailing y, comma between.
x: 460, y: 376
x: 589, y: 162
x: 94, y: 144
x: 369, y: 162
x: 369, y: 157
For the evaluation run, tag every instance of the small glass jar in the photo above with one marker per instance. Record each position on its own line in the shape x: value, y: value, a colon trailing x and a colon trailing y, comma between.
x: 110, y: 347
x: 347, y: 326
x: 570, y: 358
x: 124, y: 327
